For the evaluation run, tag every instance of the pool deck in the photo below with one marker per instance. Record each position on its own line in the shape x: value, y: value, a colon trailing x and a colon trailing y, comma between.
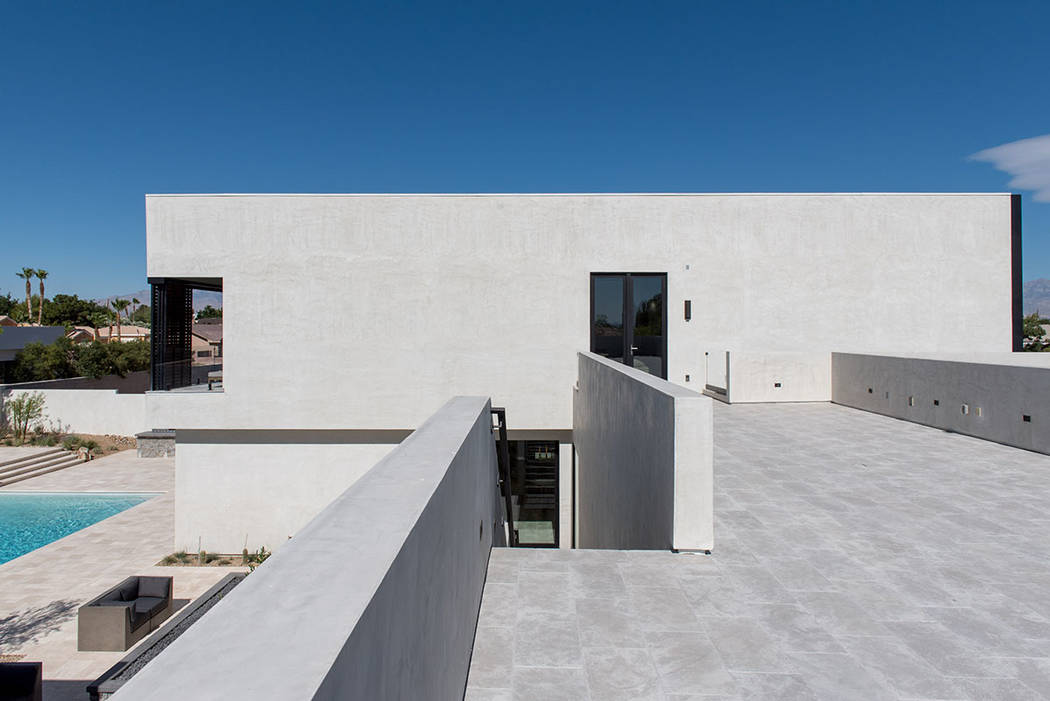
x: 856, y: 557
x: 41, y: 590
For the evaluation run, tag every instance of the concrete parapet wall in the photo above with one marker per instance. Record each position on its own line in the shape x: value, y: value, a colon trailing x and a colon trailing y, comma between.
x: 97, y: 411
x: 982, y: 395
x: 778, y: 377
x: 644, y: 460
x: 377, y: 598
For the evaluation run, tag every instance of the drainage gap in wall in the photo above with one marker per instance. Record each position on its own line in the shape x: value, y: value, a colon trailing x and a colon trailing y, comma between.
x: 776, y: 384
x: 869, y: 390
x: 979, y: 412
x: 936, y: 402
x: 1026, y: 418
x: 911, y: 401
x: 965, y: 409
x: 887, y: 395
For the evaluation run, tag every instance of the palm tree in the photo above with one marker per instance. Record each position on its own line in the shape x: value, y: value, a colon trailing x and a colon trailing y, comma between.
x: 27, y: 275
x: 119, y: 305
x: 40, y: 275
x: 135, y: 304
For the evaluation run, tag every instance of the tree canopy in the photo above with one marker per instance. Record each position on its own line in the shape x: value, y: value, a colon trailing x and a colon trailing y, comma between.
x: 209, y: 312
x: 1035, y: 337
x: 63, y: 359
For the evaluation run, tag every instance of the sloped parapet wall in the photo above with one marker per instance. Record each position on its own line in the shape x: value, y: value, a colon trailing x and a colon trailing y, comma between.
x: 1001, y: 397
x: 376, y: 598
x: 644, y: 460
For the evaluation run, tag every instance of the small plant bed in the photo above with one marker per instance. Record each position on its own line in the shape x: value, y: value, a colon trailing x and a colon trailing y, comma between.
x: 206, y: 559
x: 95, y: 445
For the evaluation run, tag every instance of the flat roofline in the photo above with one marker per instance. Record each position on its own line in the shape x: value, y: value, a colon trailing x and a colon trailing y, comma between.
x: 580, y: 194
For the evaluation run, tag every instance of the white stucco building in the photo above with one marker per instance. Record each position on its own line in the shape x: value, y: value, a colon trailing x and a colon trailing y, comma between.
x: 349, y: 319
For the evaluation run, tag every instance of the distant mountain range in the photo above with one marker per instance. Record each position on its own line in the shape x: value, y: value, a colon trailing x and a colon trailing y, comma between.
x: 201, y: 298
x: 1037, y: 296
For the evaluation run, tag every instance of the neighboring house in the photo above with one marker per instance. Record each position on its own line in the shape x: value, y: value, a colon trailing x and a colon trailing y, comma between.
x: 5, y: 320
x: 397, y: 302
x: 127, y: 333
x: 82, y: 334
x: 14, y: 338
x: 206, y: 343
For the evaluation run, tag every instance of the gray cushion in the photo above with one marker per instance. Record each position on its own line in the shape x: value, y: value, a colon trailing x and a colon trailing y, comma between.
x: 154, y: 586
x: 111, y: 602
x: 149, y: 604
x: 129, y: 591
x: 138, y: 618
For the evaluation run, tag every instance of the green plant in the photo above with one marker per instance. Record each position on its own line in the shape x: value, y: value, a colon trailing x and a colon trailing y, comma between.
x: 24, y: 410
x: 257, y: 558
x: 71, y: 442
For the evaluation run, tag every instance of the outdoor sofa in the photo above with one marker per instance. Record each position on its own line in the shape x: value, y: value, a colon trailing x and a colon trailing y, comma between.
x: 124, y: 615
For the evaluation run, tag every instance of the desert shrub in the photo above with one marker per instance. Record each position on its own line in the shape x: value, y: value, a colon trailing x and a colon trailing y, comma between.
x: 257, y: 558
x: 23, y: 411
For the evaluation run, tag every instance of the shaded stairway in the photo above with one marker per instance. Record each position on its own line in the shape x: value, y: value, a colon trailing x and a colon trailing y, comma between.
x: 37, y: 464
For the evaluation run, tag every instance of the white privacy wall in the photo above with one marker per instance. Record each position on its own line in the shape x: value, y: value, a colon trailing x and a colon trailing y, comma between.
x: 369, y: 310
x: 93, y: 411
x: 779, y: 377
x: 230, y: 496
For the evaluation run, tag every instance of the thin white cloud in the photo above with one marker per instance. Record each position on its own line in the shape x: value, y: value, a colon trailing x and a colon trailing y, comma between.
x: 1027, y: 160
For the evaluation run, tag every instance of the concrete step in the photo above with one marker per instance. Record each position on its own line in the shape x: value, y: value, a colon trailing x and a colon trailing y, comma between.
x: 38, y: 461
x: 68, y: 462
x: 31, y: 457
x: 50, y: 460
x: 36, y: 471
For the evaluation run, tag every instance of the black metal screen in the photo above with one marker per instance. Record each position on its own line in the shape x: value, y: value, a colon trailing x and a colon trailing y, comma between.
x: 172, y: 319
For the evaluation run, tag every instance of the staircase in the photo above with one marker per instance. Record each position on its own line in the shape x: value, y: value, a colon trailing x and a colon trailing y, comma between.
x: 35, y: 465
x: 541, y: 476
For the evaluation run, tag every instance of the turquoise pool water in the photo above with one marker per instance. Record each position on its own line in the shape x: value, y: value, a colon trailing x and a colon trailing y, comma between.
x: 32, y: 520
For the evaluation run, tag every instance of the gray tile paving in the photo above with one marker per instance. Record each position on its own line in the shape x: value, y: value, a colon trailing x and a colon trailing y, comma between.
x: 856, y: 557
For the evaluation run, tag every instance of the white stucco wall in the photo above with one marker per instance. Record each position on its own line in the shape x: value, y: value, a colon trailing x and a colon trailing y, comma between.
x: 229, y: 496
x: 803, y: 377
x: 93, y: 411
x: 370, y: 311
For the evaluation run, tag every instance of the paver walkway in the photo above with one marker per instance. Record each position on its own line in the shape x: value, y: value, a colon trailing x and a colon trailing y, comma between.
x: 41, y: 590
x: 856, y: 557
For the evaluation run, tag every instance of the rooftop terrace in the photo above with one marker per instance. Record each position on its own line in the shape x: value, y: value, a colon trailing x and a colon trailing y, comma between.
x: 856, y: 557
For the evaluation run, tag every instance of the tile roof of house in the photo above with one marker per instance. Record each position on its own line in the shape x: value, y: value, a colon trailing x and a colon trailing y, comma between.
x: 16, y: 337
x: 126, y: 331
x: 209, y: 332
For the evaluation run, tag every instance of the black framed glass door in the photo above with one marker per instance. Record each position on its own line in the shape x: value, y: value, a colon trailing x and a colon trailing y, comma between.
x: 629, y: 319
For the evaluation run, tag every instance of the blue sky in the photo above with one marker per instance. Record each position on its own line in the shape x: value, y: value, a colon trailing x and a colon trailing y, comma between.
x: 103, y: 102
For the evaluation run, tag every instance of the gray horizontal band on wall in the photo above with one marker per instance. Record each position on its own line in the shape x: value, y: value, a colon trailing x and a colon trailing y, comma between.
x: 312, y: 436
x: 336, y: 436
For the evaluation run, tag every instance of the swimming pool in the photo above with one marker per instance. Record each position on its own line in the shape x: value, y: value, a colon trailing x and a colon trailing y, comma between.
x: 31, y: 520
